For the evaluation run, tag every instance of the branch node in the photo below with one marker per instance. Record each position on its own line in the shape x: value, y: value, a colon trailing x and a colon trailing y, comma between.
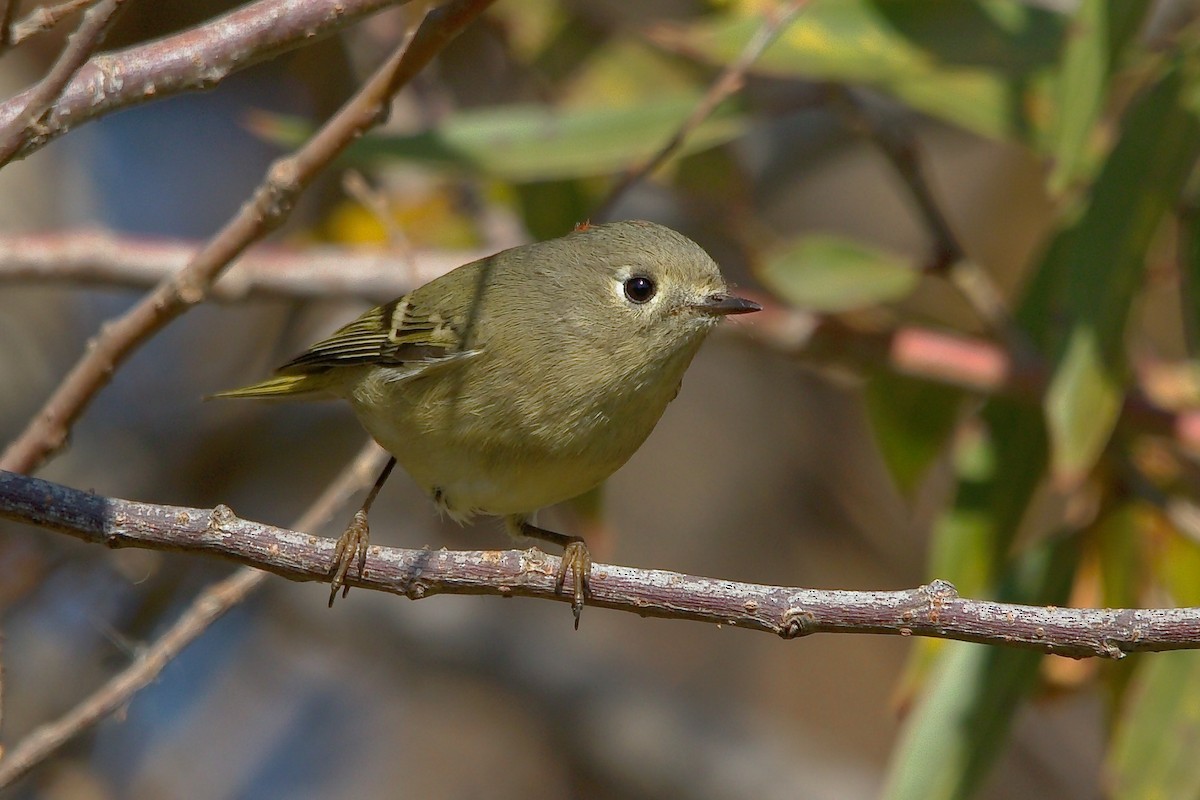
x: 797, y: 622
x: 220, y: 519
x: 1110, y: 649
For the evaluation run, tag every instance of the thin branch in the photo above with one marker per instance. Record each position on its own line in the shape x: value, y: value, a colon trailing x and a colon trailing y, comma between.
x: 196, y: 59
x: 730, y: 80
x: 101, y: 258
x: 43, y: 18
x: 209, y: 606
x: 898, y: 144
x: 86, y: 38
x: 968, y: 363
x: 934, y: 610
x: 270, y: 204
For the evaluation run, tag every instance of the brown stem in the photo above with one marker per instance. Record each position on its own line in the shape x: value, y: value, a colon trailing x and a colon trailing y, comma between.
x: 933, y: 610
x: 730, y: 80
x: 100, y: 258
x: 198, y: 58
x: 35, y: 103
x: 43, y: 18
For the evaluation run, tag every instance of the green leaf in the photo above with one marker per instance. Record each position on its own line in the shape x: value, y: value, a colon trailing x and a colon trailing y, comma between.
x: 963, y: 717
x: 1093, y: 270
x: 829, y: 273
x: 1099, y: 31
x: 536, y: 143
x: 1153, y: 753
x: 970, y: 62
x: 912, y: 420
x: 1082, y: 404
x: 1121, y: 567
x: 971, y: 693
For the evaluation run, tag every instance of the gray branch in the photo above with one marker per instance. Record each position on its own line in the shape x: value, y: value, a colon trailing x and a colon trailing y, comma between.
x: 933, y: 610
x: 198, y: 58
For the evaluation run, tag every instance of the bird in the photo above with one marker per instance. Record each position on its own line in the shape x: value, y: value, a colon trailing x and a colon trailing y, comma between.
x: 522, y: 379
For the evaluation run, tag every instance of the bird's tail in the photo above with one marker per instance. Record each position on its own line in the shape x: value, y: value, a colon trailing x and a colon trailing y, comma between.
x: 280, y: 386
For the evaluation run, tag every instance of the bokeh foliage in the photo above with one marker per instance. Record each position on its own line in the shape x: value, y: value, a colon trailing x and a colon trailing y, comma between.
x: 1065, y: 486
x: 1057, y: 490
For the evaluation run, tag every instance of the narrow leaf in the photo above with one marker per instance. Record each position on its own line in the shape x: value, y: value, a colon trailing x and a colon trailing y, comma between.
x: 828, y: 273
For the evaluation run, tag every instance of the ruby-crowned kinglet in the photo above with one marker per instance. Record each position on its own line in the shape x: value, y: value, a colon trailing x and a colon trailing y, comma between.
x: 522, y: 379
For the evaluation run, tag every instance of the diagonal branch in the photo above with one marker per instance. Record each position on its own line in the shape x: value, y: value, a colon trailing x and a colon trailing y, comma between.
x: 35, y: 103
x: 196, y: 59
x: 730, y: 80
x: 269, y: 206
x: 934, y: 610
x: 209, y: 606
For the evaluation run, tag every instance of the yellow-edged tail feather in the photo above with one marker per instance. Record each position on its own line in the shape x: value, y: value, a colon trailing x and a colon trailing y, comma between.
x: 279, y: 387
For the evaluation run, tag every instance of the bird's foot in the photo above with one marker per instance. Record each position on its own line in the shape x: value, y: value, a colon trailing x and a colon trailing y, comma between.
x: 351, y: 547
x: 578, y: 559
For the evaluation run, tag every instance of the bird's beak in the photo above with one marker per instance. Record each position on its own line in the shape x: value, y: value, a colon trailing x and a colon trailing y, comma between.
x: 721, y: 304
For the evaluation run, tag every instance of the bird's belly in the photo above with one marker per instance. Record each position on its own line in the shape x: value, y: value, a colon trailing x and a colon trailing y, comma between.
x: 494, y: 474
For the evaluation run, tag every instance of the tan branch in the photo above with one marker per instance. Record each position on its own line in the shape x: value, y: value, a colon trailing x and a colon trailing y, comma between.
x: 209, y: 606
x: 730, y: 80
x: 43, y: 18
x: 934, y: 610
x: 35, y: 103
x: 101, y: 258
x: 270, y: 204
x: 198, y: 58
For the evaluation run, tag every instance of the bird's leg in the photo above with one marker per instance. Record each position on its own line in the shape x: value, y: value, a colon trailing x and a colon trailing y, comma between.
x: 352, y: 544
x: 576, y: 558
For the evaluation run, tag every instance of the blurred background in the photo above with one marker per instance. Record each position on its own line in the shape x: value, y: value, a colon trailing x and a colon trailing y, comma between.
x: 1013, y: 177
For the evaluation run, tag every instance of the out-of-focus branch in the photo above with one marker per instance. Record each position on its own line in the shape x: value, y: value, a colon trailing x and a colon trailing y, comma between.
x: 100, y: 258
x: 973, y: 364
x: 898, y: 144
x: 268, y: 207
x: 209, y: 606
x: 730, y: 80
x: 34, y: 104
x: 43, y: 18
x: 934, y: 610
x: 198, y: 58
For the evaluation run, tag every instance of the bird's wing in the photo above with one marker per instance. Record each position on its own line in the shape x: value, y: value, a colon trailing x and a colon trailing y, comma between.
x: 396, y: 334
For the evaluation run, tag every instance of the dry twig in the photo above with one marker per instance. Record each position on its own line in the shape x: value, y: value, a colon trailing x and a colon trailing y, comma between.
x: 730, y: 80
x: 948, y: 261
x: 196, y: 59
x: 100, y: 258
x: 35, y: 103
x: 43, y: 18
x: 270, y: 204
x: 934, y: 610
x: 209, y: 606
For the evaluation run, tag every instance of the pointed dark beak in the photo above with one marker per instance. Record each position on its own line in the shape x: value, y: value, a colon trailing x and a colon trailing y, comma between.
x: 721, y: 304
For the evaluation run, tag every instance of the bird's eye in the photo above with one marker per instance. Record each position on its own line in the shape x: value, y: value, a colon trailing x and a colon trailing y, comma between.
x: 639, y: 289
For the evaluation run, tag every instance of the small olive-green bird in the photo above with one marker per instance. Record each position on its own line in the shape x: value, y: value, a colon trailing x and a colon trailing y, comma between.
x: 522, y: 379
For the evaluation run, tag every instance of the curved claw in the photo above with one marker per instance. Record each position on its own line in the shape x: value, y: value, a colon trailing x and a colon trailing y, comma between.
x: 577, y: 558
x: 351, y: 546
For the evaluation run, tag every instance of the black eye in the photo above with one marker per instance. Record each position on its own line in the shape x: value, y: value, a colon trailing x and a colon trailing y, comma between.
x: 639, y: 289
